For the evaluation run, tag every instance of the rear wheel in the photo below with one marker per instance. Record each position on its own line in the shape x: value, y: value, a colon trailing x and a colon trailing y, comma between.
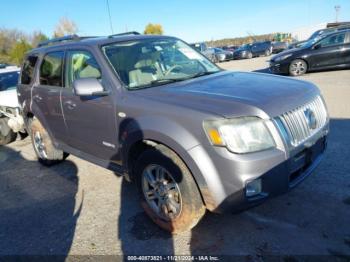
x: 6, y: 134
x: 168, y: 192
x: 267, y: 52
x: 249, y: 55
x: 297, y: 67
x: 44, y: 149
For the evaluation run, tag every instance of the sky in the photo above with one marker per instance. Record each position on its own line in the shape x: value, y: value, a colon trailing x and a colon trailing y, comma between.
x: 190, y: 20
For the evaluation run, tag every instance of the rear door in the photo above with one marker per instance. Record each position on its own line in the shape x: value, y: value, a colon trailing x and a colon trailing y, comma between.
x: 46, y: 103
x: 91, y: 121
x: 328, y: 52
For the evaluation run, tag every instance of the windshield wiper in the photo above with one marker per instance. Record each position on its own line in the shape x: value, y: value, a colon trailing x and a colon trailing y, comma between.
x: 163, y: 81
x: 202, y: 74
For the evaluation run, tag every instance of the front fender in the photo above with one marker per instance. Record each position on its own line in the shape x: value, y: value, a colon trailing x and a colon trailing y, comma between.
x: 169, y: 133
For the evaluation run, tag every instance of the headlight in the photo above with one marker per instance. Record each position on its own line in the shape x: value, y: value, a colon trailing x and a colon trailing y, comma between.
x: 239, y: 135
x: 282, y: 57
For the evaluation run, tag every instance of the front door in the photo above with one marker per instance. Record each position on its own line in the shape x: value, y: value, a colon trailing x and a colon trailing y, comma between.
x: 91, y: 120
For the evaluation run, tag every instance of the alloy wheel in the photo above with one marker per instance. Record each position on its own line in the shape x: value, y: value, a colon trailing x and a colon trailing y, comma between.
x: 298, y: 68
x: 39, y: 145
x: 161, y: 192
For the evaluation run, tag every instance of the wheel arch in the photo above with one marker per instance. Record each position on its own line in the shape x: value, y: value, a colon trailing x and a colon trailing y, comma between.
x: 138, y: 146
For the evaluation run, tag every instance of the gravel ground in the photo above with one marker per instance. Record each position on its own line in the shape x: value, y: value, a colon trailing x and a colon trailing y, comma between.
x: 77, y: 208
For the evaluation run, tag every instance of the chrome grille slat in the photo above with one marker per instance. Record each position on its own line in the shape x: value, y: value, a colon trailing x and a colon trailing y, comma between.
x: 296, y: 124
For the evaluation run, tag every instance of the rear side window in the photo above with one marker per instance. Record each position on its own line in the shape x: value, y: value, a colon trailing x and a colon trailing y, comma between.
x: 51, y: 69
x: 28, y: 69
x: 333, y: 40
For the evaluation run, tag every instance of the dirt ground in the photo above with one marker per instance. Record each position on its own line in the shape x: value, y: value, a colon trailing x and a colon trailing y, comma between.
x: 77, y: 208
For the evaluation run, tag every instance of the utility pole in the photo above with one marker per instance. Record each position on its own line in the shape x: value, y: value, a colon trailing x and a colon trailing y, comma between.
x: 337, y: 10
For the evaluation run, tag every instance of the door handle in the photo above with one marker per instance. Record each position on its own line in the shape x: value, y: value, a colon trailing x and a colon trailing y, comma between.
x: 37, y: 98
x: 70, y: 105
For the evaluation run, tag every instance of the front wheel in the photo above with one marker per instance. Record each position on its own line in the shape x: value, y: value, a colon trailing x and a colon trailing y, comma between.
x: 297, y: 67
x: 6, y: 134
x: 249, y: 55
x: 44, y: 148
x: 267, y: 52
x: 168, y: 192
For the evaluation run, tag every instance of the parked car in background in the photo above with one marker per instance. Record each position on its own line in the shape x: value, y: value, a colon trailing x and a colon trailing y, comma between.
x: 243, y: 52
x: 190, y: 135
x: 200, y: 47
x: 217, y: 55
x: 327, y: 51
x: 11, y: 121
x: 317, y: 34
x: 253, y: 50
x: 278, y: 46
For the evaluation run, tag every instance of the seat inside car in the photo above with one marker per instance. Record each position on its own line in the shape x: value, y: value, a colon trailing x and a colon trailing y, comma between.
x: 145, y: 70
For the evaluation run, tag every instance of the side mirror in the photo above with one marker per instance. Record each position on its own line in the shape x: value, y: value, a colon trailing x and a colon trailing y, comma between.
x: 88, y: 87
x: 317, y: 46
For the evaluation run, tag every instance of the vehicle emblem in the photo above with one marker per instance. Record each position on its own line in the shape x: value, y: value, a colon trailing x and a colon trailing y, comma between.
x: 310, y: 118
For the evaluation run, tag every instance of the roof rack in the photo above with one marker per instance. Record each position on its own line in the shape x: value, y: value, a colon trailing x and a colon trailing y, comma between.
x: 58, y: 40
x: 63, y: 39
x: 126, y: 33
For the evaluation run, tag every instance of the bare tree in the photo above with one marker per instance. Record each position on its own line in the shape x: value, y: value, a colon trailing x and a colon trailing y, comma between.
x: 65, y: 27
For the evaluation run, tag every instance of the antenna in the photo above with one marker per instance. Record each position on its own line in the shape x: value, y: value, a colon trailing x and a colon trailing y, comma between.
x: 110, y: 18
x: 337, y: 10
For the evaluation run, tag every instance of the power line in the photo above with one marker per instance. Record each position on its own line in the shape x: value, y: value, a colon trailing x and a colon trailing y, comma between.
x: 110, y: 18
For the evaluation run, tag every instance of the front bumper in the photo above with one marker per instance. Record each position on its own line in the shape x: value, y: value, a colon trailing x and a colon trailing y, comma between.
x: 280, y: 169
x: 279, y: 67
x: 279, y: 179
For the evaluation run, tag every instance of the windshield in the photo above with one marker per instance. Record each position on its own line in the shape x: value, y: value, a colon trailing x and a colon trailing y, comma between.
x: 244, y: 47
x: 146, y: 63
x: 310, y: 42
x: 8, y: 80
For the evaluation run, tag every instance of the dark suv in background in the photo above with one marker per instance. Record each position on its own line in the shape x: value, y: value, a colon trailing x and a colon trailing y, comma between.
x: 252, y: 50
x: 192, y: 136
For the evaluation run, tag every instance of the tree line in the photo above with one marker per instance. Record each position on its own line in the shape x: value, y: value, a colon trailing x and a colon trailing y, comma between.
x: 15, y: 43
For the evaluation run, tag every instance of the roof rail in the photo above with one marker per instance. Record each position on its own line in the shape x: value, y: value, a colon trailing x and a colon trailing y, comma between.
x: 60, y: 39
x: 126, y: 33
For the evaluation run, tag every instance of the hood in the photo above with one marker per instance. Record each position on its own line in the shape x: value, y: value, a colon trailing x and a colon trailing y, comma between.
x: 287, y: 52
x: 236, y: 94
x: 9, y: 98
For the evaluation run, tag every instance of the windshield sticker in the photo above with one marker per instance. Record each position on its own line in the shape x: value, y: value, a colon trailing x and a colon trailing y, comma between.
x: 189, y: 53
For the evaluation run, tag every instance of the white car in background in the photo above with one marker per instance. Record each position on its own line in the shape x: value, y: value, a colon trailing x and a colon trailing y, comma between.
x: 11, y: 122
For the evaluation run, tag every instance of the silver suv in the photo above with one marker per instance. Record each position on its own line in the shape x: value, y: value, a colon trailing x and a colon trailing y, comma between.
x: 191, y: 136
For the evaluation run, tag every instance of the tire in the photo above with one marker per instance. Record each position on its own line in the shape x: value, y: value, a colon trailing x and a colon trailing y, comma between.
x: 267, y: 52
x: 10, y: 136
x: 297, y: 67
x: 250, y: 55
x: 182, y: 206
x: 44, y: 149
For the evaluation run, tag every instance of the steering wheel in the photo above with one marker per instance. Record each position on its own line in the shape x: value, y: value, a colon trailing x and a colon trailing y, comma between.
x: 171, y: 69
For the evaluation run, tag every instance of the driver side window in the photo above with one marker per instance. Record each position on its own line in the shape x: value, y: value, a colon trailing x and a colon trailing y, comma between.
x: 333, y: 40
x: 81, y: 64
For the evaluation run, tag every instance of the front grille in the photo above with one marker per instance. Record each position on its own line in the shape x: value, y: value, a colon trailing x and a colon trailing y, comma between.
x: 303, y: 122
